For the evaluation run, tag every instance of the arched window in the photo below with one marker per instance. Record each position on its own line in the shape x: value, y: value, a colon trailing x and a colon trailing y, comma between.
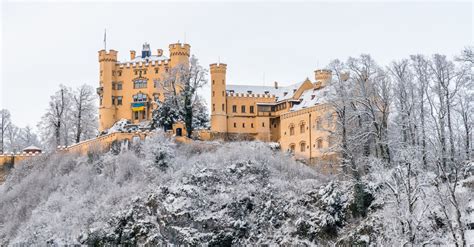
x: 330, y: 141
x: 292, y: 130
x: 139, y: 83
x: 139, y: 97
x: 302, y: 127
x: 318, y: 124
x: 319, y: 143
x: 292, y: 148
x: 303, y: 146
x: 331, y: 120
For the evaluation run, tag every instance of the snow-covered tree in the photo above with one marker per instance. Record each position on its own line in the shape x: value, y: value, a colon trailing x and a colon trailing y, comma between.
x: 84, y: 113
x: 181, y: 84
x: 5, y: 121
x: 54, y: 127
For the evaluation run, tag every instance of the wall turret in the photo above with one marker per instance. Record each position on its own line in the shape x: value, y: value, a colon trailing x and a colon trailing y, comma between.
x: 323, y: 77
x: 218, y: 97
x: 107, y: 61
x: 179, y: 54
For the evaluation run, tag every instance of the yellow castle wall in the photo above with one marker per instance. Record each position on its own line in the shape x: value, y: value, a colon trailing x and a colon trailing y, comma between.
x: 310, y: 134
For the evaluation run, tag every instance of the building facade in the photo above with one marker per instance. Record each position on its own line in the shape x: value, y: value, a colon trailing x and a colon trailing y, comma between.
x: 128, y: 89
x: 298, y: 116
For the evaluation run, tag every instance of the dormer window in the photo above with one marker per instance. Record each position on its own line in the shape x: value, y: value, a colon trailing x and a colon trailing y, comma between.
x: 285, y: 93
x: 294, y: 90
x: 249, y: 91
x: 312, y: 96
x: 267, y: 92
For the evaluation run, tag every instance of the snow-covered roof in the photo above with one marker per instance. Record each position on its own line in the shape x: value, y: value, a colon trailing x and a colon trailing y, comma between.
x: 281, y: 93
x: 32, y: 147
x: 312, y: 97
x: 149, y: 59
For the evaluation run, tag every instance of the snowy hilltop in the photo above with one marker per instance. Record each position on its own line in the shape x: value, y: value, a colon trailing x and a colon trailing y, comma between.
x: 221, y: 194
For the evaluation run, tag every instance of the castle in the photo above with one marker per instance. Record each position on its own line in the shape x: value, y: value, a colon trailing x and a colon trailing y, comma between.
x: 295, y: 116
x: 128, y: 89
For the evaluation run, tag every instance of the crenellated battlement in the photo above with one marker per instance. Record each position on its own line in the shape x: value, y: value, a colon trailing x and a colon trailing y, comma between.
x: 142, y: 64
x: 322, y: 74
x: 248, y: 95
x: 180, y: 49
x: 110, y: 56
x: 218, y: 67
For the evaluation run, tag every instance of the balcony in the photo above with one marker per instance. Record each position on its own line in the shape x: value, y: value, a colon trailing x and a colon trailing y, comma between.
x: 100, y: 90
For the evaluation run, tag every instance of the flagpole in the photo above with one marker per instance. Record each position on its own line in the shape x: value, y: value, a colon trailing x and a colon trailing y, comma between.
x: 105, y: 39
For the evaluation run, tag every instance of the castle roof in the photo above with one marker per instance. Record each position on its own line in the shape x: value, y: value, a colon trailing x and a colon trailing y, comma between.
x: 312, y: 97
x: 281, y: 93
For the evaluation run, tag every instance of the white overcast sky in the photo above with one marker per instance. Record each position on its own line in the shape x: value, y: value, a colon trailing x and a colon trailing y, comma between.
x: 45, y: 44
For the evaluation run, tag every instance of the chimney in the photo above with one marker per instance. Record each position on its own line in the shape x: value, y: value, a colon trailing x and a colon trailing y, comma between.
x: 276, y: 85
x: 159, y: 52
x: 132, y: 55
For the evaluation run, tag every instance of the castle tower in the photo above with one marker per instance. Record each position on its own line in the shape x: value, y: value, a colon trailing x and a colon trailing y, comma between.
x: 107, y: 62
x: 323, y: 77
x: 218, y: 98
x: 179, y: 54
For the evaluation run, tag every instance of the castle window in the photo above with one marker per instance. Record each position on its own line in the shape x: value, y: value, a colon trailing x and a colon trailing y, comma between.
x: 119, y: 73
x: 331, y: 120
x: 263, y: 124
x: 302, y: 128
x: 113, y: 100
x: 330, y: 141
x: 251, y: 125
x: 223, y: 107
x: 234, y: 108
x: 213, y: 94
x: 243, y: 109
x: 119, y: 86
x: 251, y: 109
x: 119, y: 100
x: 213, y: 82
x: 101, y: 73
x: 139, y: 83
x: 222, y: 82
x: 292, y: 148
x: 222, y: 93
x: 319, y: 143
x: 235, y: 125
x: 318, y: 124
x: 292, y: 130
x: 136, y: 115
x: 243, y: 125
x: 139, y: 97
x: 302, y: 146
x: 213, y: 107
x: 136, y: 72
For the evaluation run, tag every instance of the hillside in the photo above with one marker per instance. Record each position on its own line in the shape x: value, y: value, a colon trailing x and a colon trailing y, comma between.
x: 160, y: 192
